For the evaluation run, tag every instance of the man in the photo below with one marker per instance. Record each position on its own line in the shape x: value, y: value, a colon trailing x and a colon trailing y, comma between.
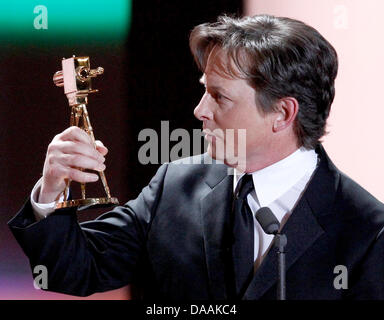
x: 192, y: 232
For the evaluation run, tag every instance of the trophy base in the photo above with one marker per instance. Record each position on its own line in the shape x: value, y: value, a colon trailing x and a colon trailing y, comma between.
x: 83, y: 204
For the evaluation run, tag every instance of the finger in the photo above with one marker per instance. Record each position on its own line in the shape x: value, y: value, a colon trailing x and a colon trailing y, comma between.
x: 80, y: 161
x: 81, y: 176
x: 59, y: 172
x: 70, y: 147
x: 101, y: 148
x: 75, y: 134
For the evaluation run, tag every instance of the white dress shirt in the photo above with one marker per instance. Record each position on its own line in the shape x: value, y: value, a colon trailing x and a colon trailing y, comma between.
x: 279, y: 187
x: 42, y: 210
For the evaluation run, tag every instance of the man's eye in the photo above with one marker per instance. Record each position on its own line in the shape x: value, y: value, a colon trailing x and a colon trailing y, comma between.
x: 217, y: 96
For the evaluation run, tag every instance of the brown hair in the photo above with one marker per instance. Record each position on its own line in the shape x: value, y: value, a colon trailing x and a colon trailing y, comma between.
x: 280, y: 57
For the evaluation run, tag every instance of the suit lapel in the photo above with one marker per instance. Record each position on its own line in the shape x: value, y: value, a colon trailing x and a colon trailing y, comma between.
x: 215, y: 208
x: 302, y: 228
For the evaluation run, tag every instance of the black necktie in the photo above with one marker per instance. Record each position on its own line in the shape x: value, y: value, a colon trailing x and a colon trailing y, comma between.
x: 243, y: 245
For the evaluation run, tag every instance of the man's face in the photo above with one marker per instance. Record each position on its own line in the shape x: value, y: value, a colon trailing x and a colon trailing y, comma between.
x: 230, y: 103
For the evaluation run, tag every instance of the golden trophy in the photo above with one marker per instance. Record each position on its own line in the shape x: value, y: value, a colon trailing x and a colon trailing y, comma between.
x: 75, y: 77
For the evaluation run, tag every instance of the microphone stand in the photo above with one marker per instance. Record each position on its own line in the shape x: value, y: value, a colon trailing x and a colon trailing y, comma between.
x: 271, y: 225
x: 280, y: 243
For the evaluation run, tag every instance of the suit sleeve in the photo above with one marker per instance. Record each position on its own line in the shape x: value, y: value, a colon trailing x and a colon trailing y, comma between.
x: 94, y: 256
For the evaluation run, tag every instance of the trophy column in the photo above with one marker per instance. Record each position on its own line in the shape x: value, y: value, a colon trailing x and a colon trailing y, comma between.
x: 75, y: 77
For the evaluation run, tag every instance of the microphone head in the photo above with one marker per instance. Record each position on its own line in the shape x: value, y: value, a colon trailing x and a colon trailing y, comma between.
x: 267, y: 220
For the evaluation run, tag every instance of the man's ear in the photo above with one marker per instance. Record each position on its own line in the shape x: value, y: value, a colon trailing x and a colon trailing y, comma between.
x: 286, y: 112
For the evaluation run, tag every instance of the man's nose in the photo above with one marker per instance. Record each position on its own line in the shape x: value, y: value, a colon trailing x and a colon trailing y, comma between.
x: 203, y: 109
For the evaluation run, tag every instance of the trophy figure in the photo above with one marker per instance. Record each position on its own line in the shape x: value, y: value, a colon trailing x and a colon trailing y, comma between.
x: 75, y: 77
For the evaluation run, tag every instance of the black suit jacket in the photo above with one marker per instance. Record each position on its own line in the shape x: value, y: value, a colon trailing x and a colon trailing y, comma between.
x: 174, y: 238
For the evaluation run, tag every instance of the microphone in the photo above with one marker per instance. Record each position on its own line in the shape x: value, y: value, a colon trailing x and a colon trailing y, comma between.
x: 267, y: 220
x: 271, y: 225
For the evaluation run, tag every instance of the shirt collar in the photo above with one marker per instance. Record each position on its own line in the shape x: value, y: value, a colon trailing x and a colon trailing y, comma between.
x: 273, y: 181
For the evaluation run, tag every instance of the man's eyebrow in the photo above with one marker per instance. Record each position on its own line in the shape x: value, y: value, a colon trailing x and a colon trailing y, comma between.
x: 202, y: 80
x: 220, y: 89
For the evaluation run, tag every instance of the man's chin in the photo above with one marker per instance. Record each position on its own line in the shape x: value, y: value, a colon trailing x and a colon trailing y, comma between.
x: 220, y: 156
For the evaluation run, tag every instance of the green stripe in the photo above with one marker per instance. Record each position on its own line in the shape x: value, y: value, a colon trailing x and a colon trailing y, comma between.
x: 68, y: 21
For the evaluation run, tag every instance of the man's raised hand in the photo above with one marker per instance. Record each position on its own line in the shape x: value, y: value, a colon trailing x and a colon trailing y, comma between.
x: 68, y: 151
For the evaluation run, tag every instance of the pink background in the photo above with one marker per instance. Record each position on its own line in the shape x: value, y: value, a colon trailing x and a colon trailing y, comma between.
x: 355, y: 28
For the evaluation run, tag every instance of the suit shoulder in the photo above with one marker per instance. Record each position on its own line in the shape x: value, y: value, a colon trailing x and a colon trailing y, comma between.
x: 196, y: 169
x: 359, y: 201
x: 197, y: 159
